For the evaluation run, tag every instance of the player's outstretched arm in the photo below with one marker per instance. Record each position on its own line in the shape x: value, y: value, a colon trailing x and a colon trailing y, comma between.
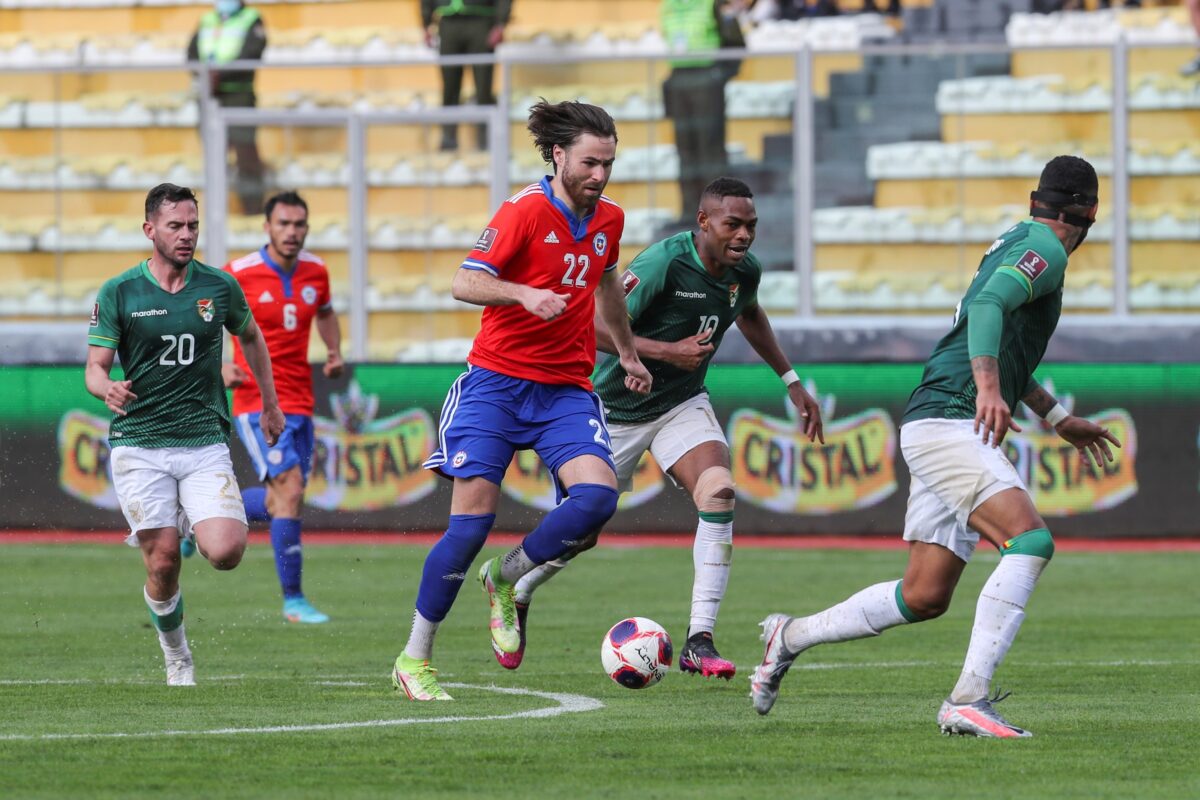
x: 259, y: 360
x: 756, y: 327
x: 610, y: 308
x: 1086, y: 436
x: 115, y: 394
x: 479, y: 288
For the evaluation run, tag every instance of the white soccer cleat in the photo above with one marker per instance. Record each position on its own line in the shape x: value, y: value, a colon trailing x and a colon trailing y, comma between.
x: 978, y: 719
x: 765, y: 680
x: 181, y: 671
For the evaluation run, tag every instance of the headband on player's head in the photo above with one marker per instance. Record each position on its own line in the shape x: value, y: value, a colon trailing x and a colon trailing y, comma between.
x: 1057, y: 201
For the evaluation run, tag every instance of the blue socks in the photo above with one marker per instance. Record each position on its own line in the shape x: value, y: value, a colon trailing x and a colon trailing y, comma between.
x: 447, y: 563
x: 582, y: 514
x: 255, y: 501
x: 285, y: 539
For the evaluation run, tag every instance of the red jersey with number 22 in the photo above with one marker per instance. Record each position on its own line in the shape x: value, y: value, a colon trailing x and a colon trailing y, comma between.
x: 534, y: 239
x: 284, y: 306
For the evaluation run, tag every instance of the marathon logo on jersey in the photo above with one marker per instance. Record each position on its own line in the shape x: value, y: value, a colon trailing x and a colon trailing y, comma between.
x: 629, y: 281
x: 486, y: 239
x: 205, y: 309
x: 309, y: 295
x: 95, y: 320
x: 1031, y: 265
x: 600, y: 243
x: 733, y: 294
x: 150, y: 312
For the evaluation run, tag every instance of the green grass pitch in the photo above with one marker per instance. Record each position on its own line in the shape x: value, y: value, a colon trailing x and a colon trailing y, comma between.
x: 1104, y: 673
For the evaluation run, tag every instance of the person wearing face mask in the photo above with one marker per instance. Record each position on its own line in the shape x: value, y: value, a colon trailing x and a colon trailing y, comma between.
x: 707, y: 276
x: 233, y: 31
x: 963, y: 486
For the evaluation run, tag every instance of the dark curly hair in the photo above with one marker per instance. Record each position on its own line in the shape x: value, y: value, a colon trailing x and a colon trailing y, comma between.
x: 563, y: 123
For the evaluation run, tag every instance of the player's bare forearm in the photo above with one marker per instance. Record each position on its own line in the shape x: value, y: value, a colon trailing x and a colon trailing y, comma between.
x: 1040, y: 401
x: 993, y: 417
x: 96, y: 374
x: 330, y: 331
x: 610, y: 308
x: 259, y: 361
x: 481, y: 289
x: 651, y: 349
x: 756, y: 327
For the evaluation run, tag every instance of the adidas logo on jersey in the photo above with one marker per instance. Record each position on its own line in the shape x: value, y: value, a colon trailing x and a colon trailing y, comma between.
x: 266, y: 297
x: 551, y: 239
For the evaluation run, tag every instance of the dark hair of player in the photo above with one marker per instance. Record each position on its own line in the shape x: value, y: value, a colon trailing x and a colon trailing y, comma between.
x: 167, y: 193
x: 726, y: 187
x: 286, y: 199
x: 1070, y: 175
x: 563, y: 123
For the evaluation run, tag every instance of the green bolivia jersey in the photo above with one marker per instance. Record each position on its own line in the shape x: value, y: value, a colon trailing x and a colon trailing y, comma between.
x: 671, y: 296
x: 170, y: 347
x: 1030, y: 257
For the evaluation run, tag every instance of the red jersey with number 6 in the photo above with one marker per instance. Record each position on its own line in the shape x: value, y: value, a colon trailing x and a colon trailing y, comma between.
x: 284, y: 305
x: 536, y: 240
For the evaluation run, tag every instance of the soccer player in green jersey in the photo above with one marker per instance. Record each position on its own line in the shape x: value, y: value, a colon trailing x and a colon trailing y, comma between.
x: 683, y: 293
x: 170, y: 433
x: 962, y: 485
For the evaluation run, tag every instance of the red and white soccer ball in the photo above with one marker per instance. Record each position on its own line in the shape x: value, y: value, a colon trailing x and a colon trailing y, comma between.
x: 636, y: 652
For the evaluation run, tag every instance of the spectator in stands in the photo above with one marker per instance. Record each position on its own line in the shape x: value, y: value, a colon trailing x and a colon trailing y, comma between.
x: 1193, y: 66
x: 694, y: 92
x: 233, y: 31
x: 465, y: 27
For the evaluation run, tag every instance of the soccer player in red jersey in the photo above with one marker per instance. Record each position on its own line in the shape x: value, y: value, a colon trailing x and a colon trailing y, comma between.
x: 544, y: 268
x: 288, y: 289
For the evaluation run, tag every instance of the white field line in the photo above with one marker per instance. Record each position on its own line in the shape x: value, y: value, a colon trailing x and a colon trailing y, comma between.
x: 565, y: 704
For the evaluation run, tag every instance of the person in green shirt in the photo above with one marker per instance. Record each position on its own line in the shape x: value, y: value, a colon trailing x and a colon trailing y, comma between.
x: 962, y: 485
x: 170, y: 431
x: 682, y: 294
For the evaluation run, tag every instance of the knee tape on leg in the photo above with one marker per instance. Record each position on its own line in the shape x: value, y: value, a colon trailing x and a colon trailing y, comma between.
x: 1037, y: 542
x: 714, y: 492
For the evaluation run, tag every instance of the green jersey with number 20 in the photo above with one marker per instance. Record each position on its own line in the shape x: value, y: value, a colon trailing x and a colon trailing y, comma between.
x: 170, y: 347
x: 671, y: 296
x: 1030, y: 254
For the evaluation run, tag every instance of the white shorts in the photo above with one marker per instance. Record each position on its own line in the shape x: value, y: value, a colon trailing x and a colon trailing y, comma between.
x: 668, y: 438
x: 953, y: 473
x: 155, y: 483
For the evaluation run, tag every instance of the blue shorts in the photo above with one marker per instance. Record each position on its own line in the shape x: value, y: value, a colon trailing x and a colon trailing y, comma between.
x: 488, y: 417
x: 294, y: 448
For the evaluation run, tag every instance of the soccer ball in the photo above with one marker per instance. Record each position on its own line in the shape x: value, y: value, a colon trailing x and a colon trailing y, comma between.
x: 636, y: 652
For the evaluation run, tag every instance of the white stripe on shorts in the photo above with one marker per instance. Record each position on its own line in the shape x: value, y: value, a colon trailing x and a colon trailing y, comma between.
x: 251, y: 442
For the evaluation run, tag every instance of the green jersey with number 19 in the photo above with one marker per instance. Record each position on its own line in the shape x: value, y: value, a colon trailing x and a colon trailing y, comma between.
x: 671, y: 296
x: 1031, y: 254
x: 170, y: 347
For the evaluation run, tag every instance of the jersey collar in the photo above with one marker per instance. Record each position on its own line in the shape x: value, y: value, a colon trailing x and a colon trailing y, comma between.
x: 283, y: 274
x: 578, y: 226
x: 148, y: 275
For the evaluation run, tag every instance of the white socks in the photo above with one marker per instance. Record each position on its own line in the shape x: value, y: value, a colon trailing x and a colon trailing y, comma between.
x: 530, y: 581
x: 711, y: 554
x: 868, y: 613
x: 998, y: 616
x: 174, y: 643
x: 420, y: 639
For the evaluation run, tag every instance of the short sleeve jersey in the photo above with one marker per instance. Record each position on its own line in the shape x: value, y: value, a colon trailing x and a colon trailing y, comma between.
x: 670, y: 296
x: 1031, y: 254
x: 284, y: 306
x: 170, y: 348
x: 536, y: 240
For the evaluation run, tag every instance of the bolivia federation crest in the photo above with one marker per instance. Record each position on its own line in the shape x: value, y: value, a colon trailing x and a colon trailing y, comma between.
x: 205, y: 309
x: 733, y: 294
x: 600, y: 243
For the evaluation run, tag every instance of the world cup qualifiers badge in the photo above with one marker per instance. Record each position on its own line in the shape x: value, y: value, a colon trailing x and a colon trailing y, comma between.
x: 309, y: 295
x: 205, y: 309
x: 600, y: 243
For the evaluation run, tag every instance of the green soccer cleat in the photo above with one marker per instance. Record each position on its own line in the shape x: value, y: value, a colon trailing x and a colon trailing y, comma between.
x: 505, y: 627
x: 417, y: 679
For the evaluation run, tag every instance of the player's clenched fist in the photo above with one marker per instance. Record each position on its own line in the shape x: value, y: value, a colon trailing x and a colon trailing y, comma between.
x: 688, y: 354
x: 232, y: 375
x: 119, y: 393
x: 545, y: 304
x: 637, y: 377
